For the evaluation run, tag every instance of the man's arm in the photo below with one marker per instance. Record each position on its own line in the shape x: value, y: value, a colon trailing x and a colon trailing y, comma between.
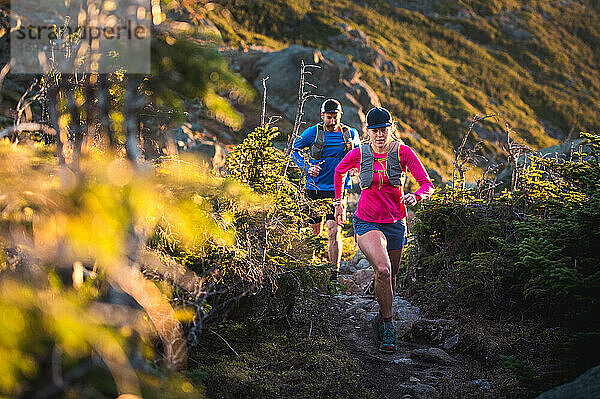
x: 306, y: 139
x: 351, y: 160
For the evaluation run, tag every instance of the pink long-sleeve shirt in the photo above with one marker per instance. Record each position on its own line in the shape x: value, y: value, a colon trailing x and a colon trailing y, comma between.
x: 382, y: 202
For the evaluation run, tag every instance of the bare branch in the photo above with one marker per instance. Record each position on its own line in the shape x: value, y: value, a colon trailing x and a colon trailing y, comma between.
x: 264, y: 104
x: 27, y: 126
x: 224, y: 340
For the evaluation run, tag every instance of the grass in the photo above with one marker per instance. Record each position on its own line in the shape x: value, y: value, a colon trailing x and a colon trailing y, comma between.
x: 277, y: 357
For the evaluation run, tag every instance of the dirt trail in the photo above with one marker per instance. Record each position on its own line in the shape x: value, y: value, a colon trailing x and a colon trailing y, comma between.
x: 420, y: 368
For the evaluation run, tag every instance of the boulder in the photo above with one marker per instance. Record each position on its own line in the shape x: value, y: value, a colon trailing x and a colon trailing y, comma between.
x: 418, y: 391
x: 585, y: 386
x: 358, y: 282
x: 432, y: 355
x: 483, y: 385
x: 358, y: 256
x: 363, y: 264
x: 451, y: 342
x: 337, y: 77
x: 404, y: 314
x: 189, y: 138
x: 432, y: 332
x: 362, y: 278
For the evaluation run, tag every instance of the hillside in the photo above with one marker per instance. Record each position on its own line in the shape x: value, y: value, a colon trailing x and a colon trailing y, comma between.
x: 129, y: 268
x: 435, y: 64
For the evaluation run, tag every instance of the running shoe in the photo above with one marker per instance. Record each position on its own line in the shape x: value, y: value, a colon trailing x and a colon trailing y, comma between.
x: 377, y: 330
x: 388, y: 343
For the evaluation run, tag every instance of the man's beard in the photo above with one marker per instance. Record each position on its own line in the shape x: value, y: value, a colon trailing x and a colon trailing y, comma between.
x: 332, y: 127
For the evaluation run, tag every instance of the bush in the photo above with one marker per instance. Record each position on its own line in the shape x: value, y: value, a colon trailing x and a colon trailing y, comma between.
x: 532, y: 252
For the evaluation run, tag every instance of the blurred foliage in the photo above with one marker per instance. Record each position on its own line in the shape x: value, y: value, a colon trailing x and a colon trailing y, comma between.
x: 184, y: 69
x: 277, y: 233
x: 529, y: 253
x: 74, y: 243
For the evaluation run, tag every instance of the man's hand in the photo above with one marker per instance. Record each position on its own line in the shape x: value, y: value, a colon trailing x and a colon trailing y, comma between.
x: 354, y: 172
x: 340, y: 214
x: 410, y: 199
x: 314, y: 170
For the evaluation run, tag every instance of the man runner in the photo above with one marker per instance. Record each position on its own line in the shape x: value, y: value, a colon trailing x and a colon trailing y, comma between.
x: 328, y: 142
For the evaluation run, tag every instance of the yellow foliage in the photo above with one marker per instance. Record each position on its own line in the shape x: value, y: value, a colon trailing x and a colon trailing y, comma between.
x: 102, y: 214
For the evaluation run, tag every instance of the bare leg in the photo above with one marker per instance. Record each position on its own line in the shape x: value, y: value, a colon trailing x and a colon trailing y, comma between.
x: 335, y: 246
x: 373, y: 244
x: 395, y: 255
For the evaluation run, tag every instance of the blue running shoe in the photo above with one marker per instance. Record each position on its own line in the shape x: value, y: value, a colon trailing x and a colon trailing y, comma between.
x: 377, y: 330
x: 388, y: 342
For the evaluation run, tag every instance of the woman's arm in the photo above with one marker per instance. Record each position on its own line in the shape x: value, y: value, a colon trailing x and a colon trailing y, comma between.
x: 416, y: 168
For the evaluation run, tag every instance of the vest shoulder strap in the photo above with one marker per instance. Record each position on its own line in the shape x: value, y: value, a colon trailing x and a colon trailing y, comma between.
x: 316, y: 149
x: 394, y: 167
x: 319, y: 131
x: 366, y: 166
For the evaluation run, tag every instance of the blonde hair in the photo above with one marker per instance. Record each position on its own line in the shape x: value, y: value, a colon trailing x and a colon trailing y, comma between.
x: 394, y: 133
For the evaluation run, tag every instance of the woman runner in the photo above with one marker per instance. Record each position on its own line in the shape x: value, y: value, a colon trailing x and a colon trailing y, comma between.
x: 380, y: 218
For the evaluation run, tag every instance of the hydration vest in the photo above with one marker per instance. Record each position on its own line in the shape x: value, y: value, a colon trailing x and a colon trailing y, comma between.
x: 316, y: 149
x: 394, y: 169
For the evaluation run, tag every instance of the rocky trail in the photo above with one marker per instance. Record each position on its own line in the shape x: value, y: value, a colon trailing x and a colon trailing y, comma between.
x: 424, y: 365
x: 419, y: 368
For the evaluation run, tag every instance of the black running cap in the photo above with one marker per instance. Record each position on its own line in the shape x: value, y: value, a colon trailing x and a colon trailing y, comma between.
x: 378, y: 117
x: 331, y: 105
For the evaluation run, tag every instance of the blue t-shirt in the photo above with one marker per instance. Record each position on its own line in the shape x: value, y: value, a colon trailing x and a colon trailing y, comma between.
x: 332, y: 154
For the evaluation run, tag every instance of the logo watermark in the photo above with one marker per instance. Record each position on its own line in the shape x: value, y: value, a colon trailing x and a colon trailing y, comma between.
x: 74, y: 36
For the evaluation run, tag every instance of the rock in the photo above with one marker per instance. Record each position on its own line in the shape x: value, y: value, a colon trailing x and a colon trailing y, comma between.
x: 337, y: 77
x: 483, y: 385
x: 358, y: 282
x: 344, y: 280
x: 356, y: 43
x: 359, y: 306
x: 432, y: 355
x: 358, y: 256
x: 404, y: 315
x: 552, y: 130
x: 512, y: 25
x: 363, y: 264
x: 404, y: 310
x: 451, y: 342
x: 362, y: 278
x: 352, y: 289
x: 585, y: 386
x: 385, y: 81
x: 431, y: 332
x: 344, y: 266
x: 214, y: 152
x: 563, y: 151
x: 189, y: 138
x: 418, y: 391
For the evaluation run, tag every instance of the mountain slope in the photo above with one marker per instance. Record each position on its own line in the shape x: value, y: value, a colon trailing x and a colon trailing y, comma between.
x: 533, y: 62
